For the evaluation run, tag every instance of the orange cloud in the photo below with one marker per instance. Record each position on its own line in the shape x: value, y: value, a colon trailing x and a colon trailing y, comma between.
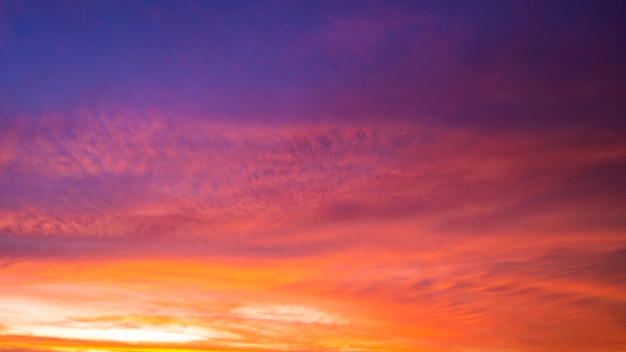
x: 171, y: 234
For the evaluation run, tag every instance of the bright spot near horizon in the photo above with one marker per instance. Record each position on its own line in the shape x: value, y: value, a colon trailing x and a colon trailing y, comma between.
x: 133, y: 335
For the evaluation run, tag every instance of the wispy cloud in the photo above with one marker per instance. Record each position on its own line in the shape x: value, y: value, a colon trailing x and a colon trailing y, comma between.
x: 106, y: 184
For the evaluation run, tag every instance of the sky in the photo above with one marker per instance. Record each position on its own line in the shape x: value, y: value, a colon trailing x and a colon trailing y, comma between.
x: 312, y: 176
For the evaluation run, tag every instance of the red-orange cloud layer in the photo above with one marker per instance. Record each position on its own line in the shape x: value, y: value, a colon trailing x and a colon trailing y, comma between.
x: 125, y: 232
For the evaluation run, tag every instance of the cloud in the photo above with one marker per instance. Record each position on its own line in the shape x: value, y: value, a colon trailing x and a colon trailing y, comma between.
x: 418, y: 176
x: 466, y: 299
x: 105, y: 184
x: 288, y: 313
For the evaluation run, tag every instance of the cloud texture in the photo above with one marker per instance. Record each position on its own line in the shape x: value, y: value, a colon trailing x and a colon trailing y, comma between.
x: 312, y: 176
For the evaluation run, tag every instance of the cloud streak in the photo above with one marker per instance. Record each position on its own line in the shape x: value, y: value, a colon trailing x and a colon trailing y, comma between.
x: 80, y: 184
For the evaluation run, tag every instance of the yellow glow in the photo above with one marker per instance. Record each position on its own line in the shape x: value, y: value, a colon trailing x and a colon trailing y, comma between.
x: 122, y: 334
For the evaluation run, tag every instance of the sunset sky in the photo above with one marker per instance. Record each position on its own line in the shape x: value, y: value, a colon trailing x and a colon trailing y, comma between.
x: 312, y: 176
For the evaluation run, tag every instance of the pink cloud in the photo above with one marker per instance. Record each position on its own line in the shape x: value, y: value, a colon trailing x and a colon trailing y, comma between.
x: 120, y: 174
